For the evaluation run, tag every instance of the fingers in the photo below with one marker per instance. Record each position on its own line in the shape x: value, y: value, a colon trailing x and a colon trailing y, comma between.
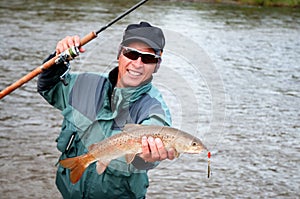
x: 171, y: 154
x: 76, y: 40
x: 67, y: 43
x: 161, y: 152
x: 146, y: 154
x: 153, y: 150
x: 155, y: 155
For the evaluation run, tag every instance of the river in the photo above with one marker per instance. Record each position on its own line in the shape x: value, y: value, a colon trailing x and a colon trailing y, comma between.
x: 230, y: 75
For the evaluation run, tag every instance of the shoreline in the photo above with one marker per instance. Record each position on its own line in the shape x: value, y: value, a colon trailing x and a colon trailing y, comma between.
x: 264, y: 3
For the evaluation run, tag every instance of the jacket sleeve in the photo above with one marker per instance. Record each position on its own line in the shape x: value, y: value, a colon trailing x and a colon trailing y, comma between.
x: 51, y: 88
x: 51, y: 76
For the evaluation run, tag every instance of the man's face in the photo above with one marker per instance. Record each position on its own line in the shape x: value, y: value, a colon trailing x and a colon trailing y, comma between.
x: 133, y: 73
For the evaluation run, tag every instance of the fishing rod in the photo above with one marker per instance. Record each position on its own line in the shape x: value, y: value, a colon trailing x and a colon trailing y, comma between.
x: 68, y: 55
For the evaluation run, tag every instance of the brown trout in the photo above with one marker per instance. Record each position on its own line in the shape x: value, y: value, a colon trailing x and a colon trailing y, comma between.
x: 128, y: 143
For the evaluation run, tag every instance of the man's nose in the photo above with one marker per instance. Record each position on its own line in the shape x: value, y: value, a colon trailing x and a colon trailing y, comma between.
x: 138, y: 63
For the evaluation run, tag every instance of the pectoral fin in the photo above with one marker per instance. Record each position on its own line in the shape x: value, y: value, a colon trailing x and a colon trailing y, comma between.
x: 129, y: 158
x: 101, y: 166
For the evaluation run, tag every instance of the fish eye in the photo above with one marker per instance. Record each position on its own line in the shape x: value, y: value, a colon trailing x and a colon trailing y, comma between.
x: 194, y: 144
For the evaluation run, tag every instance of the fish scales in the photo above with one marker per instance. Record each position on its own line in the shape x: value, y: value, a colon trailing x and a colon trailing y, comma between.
x: 128, y: 143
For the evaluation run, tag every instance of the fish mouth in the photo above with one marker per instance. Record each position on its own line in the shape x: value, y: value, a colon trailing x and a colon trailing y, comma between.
x: 199, y: 145
x: 197, y: 150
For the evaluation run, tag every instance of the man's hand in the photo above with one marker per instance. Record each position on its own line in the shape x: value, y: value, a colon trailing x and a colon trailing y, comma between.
x: 67, y: 43
x: 153, y: 150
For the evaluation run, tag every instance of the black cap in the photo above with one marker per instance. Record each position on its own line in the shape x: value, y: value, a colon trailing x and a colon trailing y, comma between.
x: 144, y: 32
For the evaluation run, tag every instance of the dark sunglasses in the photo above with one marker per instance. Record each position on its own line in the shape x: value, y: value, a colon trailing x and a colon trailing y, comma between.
x: 134, y: 54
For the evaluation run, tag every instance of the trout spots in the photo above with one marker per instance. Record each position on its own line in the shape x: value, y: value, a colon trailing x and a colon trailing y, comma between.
x: 157, y: 135
x: 163, y: 136
x: 118, y: 141
x: 166, y: 137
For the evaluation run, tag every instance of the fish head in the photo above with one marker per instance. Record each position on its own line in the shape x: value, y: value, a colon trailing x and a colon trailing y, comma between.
x: 189, y: 144
x: 196, y: 146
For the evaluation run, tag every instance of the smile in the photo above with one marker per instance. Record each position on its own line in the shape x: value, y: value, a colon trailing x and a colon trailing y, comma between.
x: 134, y: 73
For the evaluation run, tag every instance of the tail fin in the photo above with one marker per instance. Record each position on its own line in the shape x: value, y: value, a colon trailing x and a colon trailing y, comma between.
x: 77, y: 165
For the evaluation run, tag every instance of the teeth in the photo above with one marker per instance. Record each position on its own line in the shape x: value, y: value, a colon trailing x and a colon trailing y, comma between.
x: 134, y: 73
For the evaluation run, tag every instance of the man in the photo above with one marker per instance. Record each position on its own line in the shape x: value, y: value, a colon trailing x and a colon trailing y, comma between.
x: 97, y: 106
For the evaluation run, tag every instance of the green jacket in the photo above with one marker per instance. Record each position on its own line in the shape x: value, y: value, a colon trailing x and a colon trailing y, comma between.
x: 93, y: 110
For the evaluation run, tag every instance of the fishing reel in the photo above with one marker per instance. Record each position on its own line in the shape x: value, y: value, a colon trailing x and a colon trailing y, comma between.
x: 65, y: 58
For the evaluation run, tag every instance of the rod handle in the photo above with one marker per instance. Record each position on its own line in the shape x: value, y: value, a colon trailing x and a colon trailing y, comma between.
x: 87, y: 38
x: 20, y: 82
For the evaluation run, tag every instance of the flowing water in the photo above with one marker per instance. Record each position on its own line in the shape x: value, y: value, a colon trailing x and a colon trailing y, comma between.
x: 231, y: 75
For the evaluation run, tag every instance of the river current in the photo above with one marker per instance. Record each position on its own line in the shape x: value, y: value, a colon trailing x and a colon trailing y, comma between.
x: 230, y: 75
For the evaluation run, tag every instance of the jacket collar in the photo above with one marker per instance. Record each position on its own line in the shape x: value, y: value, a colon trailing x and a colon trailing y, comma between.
x: 123, y: 97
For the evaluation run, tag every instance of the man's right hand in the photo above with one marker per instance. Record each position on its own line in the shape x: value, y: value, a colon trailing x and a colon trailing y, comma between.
x: 68, y: 42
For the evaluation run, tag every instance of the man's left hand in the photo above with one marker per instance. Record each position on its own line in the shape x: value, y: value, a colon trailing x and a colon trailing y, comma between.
x: 153, y: 150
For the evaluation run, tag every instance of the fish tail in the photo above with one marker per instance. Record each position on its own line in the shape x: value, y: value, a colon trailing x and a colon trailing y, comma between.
x: 77, y: 165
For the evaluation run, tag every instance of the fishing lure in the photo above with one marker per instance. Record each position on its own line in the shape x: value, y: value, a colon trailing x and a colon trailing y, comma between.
x: 208, y: 165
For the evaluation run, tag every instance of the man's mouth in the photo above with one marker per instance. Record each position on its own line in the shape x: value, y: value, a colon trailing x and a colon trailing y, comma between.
x: 134, y: 73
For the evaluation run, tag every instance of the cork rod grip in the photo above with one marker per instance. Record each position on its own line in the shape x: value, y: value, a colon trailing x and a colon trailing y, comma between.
x: 87, y: 38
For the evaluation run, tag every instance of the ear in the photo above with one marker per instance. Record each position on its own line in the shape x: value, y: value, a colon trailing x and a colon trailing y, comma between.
x: 119, y: 51
x: 157, y: 65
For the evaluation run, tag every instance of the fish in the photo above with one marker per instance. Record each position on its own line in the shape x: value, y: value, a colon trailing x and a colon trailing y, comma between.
x: 128, y: 143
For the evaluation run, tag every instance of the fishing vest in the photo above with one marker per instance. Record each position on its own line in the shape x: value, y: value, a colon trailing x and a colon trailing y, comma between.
x: 94, y: 110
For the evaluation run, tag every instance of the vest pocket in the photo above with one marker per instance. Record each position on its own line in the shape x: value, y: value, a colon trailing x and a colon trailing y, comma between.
x: 66, y: 143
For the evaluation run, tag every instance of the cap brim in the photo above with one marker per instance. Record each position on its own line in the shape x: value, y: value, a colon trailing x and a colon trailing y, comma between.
x: 150, y: 43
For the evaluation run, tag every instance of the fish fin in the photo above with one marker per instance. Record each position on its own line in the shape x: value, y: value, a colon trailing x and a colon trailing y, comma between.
x: 129, y: 158
x: 77, y: 165
x: 101, y: 166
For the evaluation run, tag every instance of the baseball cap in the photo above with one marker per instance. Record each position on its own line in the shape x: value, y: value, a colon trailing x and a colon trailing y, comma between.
x: 146, y: 33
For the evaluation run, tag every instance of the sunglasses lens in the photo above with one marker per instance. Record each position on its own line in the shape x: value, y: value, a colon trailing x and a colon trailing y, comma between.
x: 134, y: 55
x: 130, y: 54
x: 149, y: 59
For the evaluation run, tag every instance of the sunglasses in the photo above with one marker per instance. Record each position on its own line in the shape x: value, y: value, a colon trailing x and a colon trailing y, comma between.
x: 134, y: 54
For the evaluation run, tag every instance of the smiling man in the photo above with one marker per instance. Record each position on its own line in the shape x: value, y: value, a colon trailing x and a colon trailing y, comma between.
x: 97, y: 106
x: 137, y: 63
